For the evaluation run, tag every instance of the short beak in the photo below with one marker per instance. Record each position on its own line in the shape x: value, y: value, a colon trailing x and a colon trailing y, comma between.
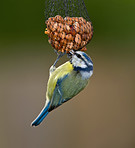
x: 71, y: 52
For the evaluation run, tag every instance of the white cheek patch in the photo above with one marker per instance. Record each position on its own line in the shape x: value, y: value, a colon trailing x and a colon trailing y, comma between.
x: 78, y: 62
x: 86, y: 75
x: 83, y: 65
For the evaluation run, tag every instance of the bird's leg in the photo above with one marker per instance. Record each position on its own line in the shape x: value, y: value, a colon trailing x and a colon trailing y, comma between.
x: 52, y: 68
x: 58, y: 57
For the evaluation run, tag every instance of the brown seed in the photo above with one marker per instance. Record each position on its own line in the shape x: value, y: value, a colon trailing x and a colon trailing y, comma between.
x: 90, y: 36
x: 56, y: 44
x: 82, y: 29
x: 54, y: 26
x: 84, y: 37
x: 59, y: 18
x: 60, y: 27
x: 69, y: 37
x: 88, y: 28
x: 67, y: 28
x: 51, y: 26
x: 68, y: 20
x: 73, y: 32
x: 82, y: 20
x: 75, y: 19
x: 63, y: 47
x: 89, y: 24
x: 85, y: 28
x: 83, y: 43
x: 51, y: 19
x: 51, y: 35
x: 84, y: 49
x: 67, y: 50
x: 63, y: 42
x: 75, y: 46
x: 48, y: 24
x: 76, y: 26
x: 56, y: 36
x: 59, y: 46
x: 70, y: 45
x: 78, y: 39
x: 62, y: 35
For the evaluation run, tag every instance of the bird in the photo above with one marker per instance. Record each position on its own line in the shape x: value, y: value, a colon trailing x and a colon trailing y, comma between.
x: 65, y: 82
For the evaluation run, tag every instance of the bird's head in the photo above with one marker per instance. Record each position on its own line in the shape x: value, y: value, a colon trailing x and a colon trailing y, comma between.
x: 81, y: 62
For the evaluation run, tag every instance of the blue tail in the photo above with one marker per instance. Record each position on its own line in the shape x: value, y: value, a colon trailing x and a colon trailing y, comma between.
x: 41, y: 116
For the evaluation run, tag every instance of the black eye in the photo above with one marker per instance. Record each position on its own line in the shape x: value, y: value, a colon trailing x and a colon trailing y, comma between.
x: 78, y: 55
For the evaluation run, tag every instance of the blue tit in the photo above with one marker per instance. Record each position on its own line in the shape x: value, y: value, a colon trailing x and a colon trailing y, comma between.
x: 65, y: 82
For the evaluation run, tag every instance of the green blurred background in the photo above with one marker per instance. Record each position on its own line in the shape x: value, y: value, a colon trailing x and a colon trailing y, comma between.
x: 101, y: 116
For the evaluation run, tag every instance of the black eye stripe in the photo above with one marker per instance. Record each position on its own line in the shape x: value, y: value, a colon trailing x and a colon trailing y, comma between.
x: 80, y: 57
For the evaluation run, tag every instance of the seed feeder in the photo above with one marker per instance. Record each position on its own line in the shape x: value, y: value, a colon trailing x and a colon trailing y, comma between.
x: 68, y: 25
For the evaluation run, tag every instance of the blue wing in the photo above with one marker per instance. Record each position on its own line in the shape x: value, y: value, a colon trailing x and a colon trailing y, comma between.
x: 56, y: 101
x: 57, y: 98
x: 66, y: 88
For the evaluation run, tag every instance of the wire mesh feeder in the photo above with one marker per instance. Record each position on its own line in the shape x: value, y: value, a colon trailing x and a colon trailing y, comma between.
x: 68, y: 25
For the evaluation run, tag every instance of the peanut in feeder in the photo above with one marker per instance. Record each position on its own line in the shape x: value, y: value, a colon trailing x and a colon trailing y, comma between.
x: 76, y: 26
x: 70, y: 27
x: 62, y: 35
x: 58, y: 18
